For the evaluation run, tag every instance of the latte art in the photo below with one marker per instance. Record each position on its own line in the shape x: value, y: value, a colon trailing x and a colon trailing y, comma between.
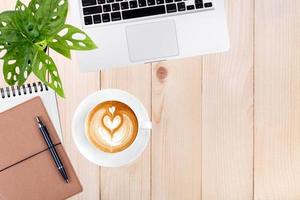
x: 111, y: 126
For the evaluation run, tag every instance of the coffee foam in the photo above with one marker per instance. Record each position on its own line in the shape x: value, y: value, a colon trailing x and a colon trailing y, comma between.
x: 111, y: 126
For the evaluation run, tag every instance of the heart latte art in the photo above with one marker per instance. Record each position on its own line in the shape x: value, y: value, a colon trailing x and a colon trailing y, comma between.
x: 111, y: 126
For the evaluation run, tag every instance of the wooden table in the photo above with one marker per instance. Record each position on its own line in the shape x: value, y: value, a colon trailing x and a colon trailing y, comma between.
x: 226, y: 126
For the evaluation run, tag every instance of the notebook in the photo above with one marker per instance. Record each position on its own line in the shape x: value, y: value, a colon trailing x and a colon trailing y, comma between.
x: 12, y: 96
x: 27, y: 170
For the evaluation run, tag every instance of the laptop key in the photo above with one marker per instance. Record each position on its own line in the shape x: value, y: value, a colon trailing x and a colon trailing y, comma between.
x: 190, y: 7
x: 151, y: 2
x: 88, y: 2
x: 171, y: 8
x: 92, y: 10
x: 208, y: 5
x: 124, y: 5
x: 199, y: 6
x: 115, y: 6
x: 115, y: 16
x: 88, y: 20
x: 97, y: 19
x: 133, y: 4
x: 181, y: 6
x: 105, y: 17
x: 110, y: 1
x: 101, y: 1
x: 106, y: 8
x: 142, y: 3
x: 144, y: 12
x: 169, y: 1
x: 160, y: 2
x: 198, y: 1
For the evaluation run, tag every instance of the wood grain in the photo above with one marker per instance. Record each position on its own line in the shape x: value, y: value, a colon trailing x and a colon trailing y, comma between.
x: 176, y: 139
x: 133, y: 181
x: 227, y: 165
x: 277, y: 97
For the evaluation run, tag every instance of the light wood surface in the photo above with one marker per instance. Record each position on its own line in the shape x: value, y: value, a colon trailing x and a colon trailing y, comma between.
x: 176, y: 138
x: 228, y: 111
x: 225, y: 126
x: 277, y: 100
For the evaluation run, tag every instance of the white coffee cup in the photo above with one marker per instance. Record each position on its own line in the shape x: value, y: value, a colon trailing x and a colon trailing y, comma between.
x: 97, y: 156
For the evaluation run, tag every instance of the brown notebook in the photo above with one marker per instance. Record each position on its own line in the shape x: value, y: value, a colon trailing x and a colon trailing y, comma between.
x: 27, y: 170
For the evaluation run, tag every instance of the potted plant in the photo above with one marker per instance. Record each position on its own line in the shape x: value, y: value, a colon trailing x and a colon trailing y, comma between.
x: 26, y: 33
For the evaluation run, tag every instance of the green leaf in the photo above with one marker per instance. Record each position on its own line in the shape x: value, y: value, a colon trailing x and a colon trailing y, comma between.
x: 10, y: 36
x: 26, y: 22
x: 20, y: 6
x: 17, y: 64
x: 59, y: 45
x: 71, y: 38
x: 45, y: 69
x: 50, y: 14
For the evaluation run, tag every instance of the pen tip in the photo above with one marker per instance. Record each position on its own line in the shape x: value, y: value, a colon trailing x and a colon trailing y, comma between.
x: 38, y: 119
x: 67, y: 180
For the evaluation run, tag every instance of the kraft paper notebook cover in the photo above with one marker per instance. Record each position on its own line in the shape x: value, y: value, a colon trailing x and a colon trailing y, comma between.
x: 27, y: 170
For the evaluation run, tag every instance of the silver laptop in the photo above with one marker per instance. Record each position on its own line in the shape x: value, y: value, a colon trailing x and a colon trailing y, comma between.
x: 130, y: 32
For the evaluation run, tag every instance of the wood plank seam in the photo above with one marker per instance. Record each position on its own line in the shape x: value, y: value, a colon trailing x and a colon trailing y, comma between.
x: 151, y: 139
x: 253, y: 109
x: 100, y: 169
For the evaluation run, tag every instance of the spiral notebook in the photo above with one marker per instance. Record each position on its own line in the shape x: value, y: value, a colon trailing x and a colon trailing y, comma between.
x: 13, y: 96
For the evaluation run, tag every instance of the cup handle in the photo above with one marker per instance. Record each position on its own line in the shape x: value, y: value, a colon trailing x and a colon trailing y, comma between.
x: 145, y: 125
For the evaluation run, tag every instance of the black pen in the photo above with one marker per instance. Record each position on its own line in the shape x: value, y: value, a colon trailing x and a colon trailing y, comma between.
x: 52, y: 149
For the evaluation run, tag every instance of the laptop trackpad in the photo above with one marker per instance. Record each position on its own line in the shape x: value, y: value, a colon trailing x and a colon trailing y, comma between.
x: 152, y: 41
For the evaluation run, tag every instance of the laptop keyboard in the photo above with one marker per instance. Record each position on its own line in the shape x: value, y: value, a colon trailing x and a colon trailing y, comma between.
x: 109, y: 11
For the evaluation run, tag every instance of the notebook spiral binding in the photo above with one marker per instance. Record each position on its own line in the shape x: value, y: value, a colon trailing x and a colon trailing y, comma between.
x: 13, y: 91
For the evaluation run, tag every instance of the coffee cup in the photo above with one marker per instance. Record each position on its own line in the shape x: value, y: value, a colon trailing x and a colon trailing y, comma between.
x: 111, y: 128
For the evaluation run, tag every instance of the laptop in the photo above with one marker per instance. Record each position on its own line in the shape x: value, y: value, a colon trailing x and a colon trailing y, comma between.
x: 131, y: 32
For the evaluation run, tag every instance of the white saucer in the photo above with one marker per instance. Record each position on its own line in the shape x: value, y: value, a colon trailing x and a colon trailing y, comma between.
x: 94, y: 154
